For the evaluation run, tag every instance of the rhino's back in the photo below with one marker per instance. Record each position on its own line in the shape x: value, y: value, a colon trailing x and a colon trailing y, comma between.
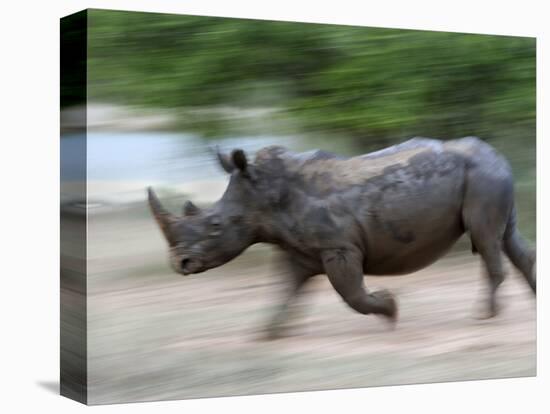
x: 355, y: 169
x: 326, y: 173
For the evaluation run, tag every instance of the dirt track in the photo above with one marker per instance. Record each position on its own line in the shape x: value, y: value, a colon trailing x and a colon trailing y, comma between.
x: 157, y: 335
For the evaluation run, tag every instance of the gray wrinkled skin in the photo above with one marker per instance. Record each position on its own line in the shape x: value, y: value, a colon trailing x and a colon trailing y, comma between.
x: 389, y: 212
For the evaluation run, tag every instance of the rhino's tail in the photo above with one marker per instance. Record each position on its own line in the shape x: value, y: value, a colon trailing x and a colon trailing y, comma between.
x: 520, y: 253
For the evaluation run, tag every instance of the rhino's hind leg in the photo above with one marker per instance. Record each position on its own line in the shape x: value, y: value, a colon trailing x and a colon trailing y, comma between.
x: 485, y: 215
x: 344, y: 269
x: 492, y: 258
x: 488, y: 244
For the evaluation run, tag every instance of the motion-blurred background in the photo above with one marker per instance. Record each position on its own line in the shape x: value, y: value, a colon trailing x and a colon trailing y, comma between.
x: 163, y: 88
x: 348, y: 89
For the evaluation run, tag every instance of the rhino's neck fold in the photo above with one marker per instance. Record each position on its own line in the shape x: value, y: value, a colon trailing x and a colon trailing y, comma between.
x: 276, y: 229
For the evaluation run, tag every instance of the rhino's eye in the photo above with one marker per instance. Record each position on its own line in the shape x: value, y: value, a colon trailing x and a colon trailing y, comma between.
x: 215, y: 228
x: 214, y: 222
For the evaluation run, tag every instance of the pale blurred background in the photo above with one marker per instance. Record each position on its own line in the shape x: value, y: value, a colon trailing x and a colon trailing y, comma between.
x: 162, y: 89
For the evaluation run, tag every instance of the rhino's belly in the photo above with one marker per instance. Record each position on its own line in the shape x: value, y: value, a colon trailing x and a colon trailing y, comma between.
x: 412, y: 223
x: 403, y: 259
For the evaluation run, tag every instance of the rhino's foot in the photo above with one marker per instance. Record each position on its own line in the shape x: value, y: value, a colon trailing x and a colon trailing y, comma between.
x: 388, y: 305
x: 487, y: 313
x: 272, y: 333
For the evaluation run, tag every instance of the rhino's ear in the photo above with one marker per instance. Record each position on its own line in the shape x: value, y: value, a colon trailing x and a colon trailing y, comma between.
x: 239, y: 159
x: 225, y: 161
x: 189, y: 209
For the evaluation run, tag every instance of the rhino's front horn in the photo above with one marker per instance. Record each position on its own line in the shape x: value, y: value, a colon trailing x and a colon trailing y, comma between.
x: 164, y: 219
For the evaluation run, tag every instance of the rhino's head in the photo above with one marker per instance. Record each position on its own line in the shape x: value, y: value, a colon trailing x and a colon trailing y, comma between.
x: 200, y: 239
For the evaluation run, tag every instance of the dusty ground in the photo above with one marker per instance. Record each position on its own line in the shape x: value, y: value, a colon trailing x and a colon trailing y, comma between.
x: 157, y: 335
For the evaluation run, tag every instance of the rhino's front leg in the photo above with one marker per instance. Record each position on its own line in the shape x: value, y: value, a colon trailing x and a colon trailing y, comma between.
x: 298, y: 273
x: 344, y: 268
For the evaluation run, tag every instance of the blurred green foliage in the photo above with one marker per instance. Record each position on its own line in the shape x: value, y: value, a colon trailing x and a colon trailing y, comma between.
x: 369, y: 86
x: 364, y: 82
